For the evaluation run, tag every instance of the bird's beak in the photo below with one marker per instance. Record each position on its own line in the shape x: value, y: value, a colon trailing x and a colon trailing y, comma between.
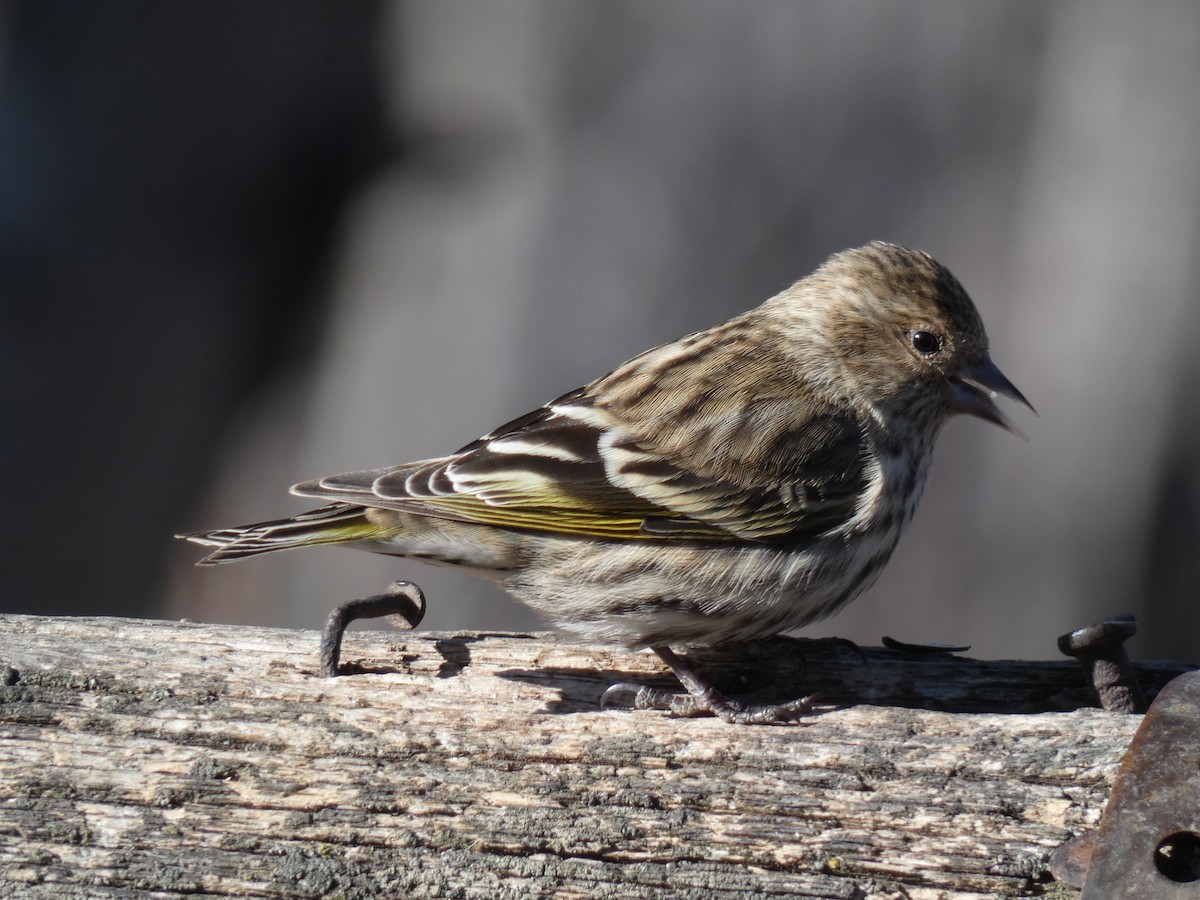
x: 974, y: 388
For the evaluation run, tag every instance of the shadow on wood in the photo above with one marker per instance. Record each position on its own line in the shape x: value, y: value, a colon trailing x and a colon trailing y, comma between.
x: 178, y: 758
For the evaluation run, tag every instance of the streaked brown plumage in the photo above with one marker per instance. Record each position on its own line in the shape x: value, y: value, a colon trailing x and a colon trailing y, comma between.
x: 741, y: 481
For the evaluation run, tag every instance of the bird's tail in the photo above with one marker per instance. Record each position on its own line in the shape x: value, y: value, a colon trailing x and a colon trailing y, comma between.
x: 334, y: 524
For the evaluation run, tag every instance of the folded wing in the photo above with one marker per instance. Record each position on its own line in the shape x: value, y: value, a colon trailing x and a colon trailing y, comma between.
x: 573, y: 468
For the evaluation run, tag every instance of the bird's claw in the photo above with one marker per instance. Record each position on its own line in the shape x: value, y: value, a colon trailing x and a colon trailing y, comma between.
x: 627, y: 695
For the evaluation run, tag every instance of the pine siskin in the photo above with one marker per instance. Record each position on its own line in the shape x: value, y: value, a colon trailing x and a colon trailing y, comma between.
x: 739, y: 482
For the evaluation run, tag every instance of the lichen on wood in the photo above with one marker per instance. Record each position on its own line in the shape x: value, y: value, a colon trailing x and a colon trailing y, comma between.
x: 144, y: 758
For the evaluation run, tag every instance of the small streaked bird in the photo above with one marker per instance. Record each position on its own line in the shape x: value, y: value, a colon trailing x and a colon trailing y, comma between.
x: 739, y: 482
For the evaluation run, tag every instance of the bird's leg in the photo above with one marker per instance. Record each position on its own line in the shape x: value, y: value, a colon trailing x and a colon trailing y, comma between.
x: 702, y: 698
x: 403, y: 600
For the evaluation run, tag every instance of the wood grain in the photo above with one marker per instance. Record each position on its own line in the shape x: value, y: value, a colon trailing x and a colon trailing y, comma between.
x: 142, y: 758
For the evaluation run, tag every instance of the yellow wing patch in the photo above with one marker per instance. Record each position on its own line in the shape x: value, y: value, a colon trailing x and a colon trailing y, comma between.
x: 572, y: 519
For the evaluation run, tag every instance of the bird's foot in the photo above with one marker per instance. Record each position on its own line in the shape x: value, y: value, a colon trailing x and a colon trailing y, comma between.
x: 728, y: 709
x: 702, y: 699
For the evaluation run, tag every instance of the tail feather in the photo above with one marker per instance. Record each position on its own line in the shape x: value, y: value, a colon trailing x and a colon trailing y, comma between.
x: 334, y: 524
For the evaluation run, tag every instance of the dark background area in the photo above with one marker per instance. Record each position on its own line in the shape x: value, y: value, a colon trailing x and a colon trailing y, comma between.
x: 244, y: 245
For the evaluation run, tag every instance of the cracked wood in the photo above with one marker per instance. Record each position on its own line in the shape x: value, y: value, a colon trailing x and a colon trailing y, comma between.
x: 173, y: 759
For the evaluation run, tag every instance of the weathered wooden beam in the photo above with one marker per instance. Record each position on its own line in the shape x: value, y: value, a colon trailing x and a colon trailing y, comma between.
x: 162, y: 758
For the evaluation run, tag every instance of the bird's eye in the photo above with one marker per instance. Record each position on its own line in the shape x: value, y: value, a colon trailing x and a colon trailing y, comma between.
x: 926, y: 342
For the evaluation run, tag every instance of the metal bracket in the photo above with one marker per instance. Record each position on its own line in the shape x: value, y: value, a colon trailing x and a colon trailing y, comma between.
x: 1148, y: 841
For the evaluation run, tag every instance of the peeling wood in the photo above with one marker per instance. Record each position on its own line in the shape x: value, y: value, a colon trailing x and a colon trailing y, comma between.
x: 144, y: 758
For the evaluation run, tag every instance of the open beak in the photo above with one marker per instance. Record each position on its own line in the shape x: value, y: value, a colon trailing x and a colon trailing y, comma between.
x: 974, y: 388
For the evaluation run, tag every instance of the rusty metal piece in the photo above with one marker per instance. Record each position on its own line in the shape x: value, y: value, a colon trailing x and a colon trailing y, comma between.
x: 1099, y: 647
x: 404, y: 601
x: 1148, y: 842
x: 1069, y: 863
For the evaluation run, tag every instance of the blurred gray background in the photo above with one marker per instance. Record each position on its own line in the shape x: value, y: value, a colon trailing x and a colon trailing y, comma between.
x: 242, y: 245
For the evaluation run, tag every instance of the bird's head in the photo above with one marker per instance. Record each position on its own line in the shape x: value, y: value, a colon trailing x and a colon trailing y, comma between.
x: 903, y: 332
